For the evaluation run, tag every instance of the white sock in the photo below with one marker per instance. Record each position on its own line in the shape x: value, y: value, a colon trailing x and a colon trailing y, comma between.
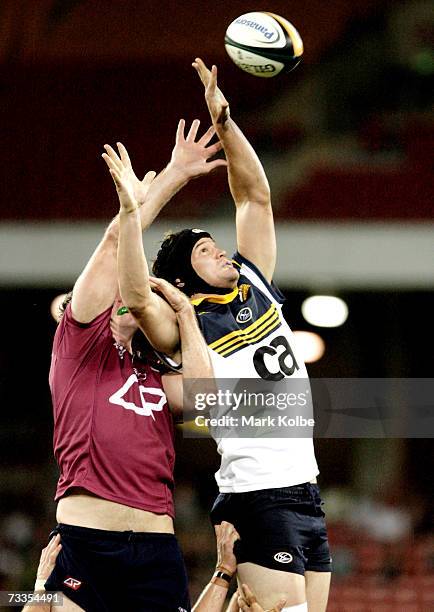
x: 299, y: 608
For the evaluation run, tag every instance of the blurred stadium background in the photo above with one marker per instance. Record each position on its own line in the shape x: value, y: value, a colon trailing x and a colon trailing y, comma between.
x: 347, y: 143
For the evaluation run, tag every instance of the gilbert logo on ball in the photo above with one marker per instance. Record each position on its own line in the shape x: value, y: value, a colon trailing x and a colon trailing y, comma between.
x: 263, y: 44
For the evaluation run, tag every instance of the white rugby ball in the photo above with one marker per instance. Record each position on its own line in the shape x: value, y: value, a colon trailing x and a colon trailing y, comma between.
x: 263, y: 44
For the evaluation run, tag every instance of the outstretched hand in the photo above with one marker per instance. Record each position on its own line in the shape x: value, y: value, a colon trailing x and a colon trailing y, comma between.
x: 217, y: 104
x: 132, y: 191
x: 191, y: 157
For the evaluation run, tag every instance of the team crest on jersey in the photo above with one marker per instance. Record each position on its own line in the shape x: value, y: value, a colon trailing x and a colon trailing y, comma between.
x: 244, y: 315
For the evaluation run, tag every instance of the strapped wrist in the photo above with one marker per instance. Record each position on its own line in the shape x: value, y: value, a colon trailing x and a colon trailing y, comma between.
x: 224, y: 568
x: 221, y: 577
x: 39, y: 585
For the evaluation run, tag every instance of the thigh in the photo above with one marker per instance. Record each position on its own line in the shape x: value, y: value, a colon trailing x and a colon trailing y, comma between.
x: 270, y: 585
x: 317, y: 590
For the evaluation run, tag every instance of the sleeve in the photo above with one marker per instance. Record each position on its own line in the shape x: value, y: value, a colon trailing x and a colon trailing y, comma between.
x: 257, y: 278
x: 74, y: 339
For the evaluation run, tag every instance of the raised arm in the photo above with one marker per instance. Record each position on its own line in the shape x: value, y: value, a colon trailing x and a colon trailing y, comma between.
x: 247, y: 180
x: 97, y: 286
x: 214, y: 595
x: 189, y: 160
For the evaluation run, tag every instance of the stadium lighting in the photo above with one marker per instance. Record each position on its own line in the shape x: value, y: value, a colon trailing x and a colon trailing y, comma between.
x: 325, y: 311
x: 310, y: 345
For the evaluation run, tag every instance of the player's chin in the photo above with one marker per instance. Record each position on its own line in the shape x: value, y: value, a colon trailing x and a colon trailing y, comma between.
x: 231, y: 274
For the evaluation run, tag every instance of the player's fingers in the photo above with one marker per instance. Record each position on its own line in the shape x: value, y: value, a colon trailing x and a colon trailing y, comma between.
x: 157, y: 281
x: 54, y: 541
x: 207, y: 137
x: 214, y: 148
x: 249, y: 596
x: 161, y: 285
x: 110, y: 163
x: 53, y: 554
x: 279, y: 606
x: 212, y: 84
x: 44, y: 553
x: 201, y: 69
x: 218, y: 163
x: 124, y: 155
x: 193, y: 131
x: 180, y: 131
x: 116, y: 179
x: 113, y: 155
x: 148, y: 178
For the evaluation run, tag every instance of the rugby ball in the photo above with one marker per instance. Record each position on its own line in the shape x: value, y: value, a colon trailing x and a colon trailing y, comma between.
x: 263, y: 44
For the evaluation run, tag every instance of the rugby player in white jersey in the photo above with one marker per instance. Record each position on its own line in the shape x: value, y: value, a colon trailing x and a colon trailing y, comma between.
x: 268, y: 486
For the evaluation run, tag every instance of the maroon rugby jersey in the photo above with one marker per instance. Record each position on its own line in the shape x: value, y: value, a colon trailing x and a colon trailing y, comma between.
x: 113, y: 431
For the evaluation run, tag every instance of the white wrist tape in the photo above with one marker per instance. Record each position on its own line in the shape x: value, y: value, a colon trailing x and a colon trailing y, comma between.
x: 299, y: 608
x: 39, y: 585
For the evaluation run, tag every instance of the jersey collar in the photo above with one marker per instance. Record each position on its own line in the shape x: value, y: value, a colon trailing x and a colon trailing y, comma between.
x: 242, y: 290
x: 216, y: 298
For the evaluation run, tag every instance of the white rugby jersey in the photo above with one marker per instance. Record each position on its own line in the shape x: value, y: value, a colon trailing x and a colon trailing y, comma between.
x: 248, y: 337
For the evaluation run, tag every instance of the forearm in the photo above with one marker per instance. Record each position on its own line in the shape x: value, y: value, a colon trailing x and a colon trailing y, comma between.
x: 247, y: 179
x: 196, y: 362
x: 161, y: 191
x: 212, y: 599
x: 133, y: 270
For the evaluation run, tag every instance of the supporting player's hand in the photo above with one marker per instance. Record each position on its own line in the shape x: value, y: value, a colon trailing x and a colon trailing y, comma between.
x: 48, y: 558
x: 217, y: 104
x: 226, y: 535
x: 177, y: 300
x: 132, y: 191
x: 247, y: 601
x: 191, y: 157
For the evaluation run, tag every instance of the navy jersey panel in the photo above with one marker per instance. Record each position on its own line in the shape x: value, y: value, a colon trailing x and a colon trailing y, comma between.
x: 273, y: 289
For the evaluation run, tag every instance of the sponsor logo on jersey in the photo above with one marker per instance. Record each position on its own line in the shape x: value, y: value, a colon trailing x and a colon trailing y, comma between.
x: 283, y: 557
x: 244, y: 315
x: 146, y: 408
x: 252, y: 334
x: 72, y: 583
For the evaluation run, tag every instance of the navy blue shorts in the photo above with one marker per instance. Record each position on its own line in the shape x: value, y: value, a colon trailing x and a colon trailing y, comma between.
x: 282, y: 529
x: 114, y: 570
